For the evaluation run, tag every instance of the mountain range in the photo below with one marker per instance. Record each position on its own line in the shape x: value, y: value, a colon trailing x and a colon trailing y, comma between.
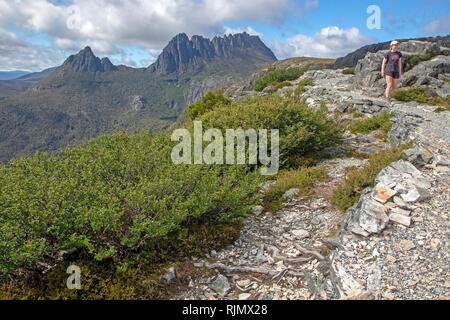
x: 10, y: 75
x: 87, y: 96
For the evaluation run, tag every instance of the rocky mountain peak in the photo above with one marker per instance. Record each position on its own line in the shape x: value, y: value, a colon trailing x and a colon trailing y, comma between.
x: 182, y: 55
x: 86, y: 61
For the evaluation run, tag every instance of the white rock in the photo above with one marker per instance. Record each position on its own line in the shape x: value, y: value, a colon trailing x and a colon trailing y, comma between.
x: 400, y: 219
x: 416, y: 194
x: 398, y: 210
x: 257, y: 210
x: 301, y: 234
x: 347, y: 283
x: 244, y: 296
x: 374, y: 279
x: 373, y: 217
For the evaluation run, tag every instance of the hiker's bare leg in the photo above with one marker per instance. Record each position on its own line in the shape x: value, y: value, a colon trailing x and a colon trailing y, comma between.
x: 394, y: 84
x: 389, y: 87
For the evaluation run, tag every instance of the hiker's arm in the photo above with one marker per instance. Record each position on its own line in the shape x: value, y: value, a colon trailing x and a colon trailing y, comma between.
x: 400, y: 67
x: 382, y: 67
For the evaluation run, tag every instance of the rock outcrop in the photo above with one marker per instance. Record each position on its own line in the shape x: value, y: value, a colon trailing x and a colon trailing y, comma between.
x: 86, y: 61
x: 351, y: 59
x: 182, y: 55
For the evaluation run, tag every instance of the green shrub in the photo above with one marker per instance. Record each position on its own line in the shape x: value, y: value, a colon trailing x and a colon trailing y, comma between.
x: 279, y: 85
x: 348, y: 193
x: 411, y: 94
x: 301, y: 129
x: 109, y: 197
x: 279, y: 75
x: 302, y: 84
x: 382, y: 121
x: 207, y: 103
x: 415, y: 60
x: 302, y: 178
x: 349, y: 70
x: 420, y: 95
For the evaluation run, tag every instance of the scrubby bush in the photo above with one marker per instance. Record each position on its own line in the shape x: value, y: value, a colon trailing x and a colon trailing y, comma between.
x: 281, y: 85
x: 420, y: 95
x: 302, y: 130
x: 108, y: 198
x: 381, y: 121
x: 279, y: 75
x: 302, y: 178
x: 415, y: 60
x: 302, y: 84
x: 207, y: 103
x: 350, y: 70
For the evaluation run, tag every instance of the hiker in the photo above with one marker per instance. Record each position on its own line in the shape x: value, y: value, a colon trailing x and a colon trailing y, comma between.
x: 392, y: 69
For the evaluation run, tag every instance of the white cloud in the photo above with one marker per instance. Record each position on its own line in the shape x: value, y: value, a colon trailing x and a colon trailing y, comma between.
x: 248, y: 29
x: 18, y: 54
x: 108, y: 25
x: 438, y: 26
x: 150, y: 24
x: 330, y: 42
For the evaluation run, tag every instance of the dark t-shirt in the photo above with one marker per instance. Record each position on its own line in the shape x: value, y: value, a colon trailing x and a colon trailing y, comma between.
x: 392, y: 61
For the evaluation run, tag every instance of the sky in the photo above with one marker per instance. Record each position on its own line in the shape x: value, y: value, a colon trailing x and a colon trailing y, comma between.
x: 38, y: 34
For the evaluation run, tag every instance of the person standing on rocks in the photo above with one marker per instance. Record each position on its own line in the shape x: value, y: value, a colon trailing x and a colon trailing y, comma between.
x: 392, y: 68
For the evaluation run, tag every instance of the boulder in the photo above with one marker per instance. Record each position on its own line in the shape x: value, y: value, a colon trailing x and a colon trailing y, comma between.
x: 290, y: 194
x: 426, y: 70
x: 221, y: 285
x: 419, y: 47
x: 170, y: 274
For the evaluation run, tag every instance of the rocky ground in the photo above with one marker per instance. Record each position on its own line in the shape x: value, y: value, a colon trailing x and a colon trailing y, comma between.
x: 392, y: 244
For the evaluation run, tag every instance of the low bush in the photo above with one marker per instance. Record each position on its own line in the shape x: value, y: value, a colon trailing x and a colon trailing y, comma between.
x: 279, y: 85
x: 349, y: 70
x: 207, y: 103
x: 416, y: 59
x: 421, y: 95
x: 381, y: 121
x: 279, y: 75
x: 302, y: 178
x: 110, y: 197
x: 301, y: 129
x: 302, y: 84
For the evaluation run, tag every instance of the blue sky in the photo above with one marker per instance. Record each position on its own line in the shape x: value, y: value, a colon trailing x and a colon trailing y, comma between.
x: 37, y: 34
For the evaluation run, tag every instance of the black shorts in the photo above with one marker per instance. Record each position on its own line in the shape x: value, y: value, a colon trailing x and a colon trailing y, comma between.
x: 393, y: 74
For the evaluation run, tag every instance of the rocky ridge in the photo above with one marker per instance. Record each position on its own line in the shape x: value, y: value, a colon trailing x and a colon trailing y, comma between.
x: 392, y: 244
x: 183, y: 55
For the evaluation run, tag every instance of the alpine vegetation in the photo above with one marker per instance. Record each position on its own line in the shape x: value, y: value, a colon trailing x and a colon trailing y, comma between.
x: 214, y: 152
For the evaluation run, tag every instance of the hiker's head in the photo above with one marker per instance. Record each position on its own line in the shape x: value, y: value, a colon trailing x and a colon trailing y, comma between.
x: 394, y: 45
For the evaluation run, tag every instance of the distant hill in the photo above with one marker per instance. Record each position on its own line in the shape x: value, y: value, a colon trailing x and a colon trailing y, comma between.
x: 88, y: 96
x: 9, y: 75
x: 22, y: 83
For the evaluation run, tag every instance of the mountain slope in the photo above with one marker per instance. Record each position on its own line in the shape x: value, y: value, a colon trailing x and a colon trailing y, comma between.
x: 21, y: 84
x: 88, y: 96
